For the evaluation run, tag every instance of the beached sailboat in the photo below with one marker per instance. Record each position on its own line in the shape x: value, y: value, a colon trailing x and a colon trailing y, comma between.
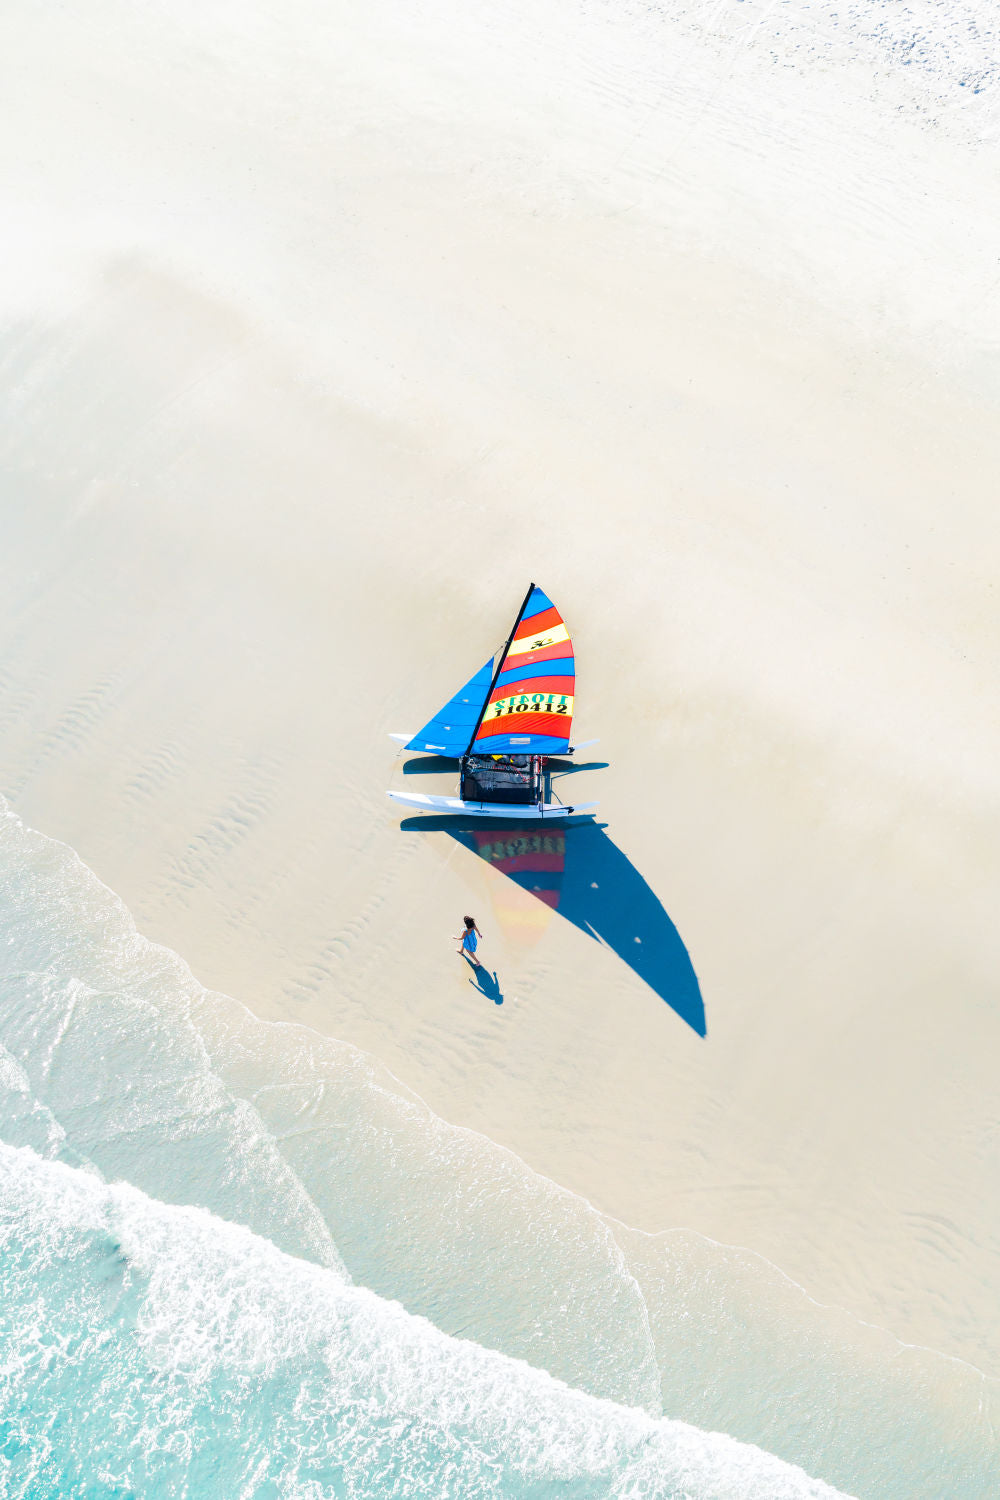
x: 506, y: 721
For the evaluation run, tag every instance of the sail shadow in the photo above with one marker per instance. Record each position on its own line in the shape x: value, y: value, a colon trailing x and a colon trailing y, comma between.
x: 578, y: 871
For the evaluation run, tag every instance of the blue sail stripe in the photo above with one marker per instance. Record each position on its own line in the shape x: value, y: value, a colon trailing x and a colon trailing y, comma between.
x: 564, y: 666
x: 521, y: 744
x: 536, y: 604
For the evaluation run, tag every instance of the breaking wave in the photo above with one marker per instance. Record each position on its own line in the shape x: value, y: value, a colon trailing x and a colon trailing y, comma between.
x: 168, y: 1352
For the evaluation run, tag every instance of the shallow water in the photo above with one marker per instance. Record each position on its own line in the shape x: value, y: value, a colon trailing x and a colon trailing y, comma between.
x: 162, y: 1351
x: 120, y: 1067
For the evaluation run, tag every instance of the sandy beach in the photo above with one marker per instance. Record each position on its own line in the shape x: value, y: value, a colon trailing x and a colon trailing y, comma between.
x: 298, y: 400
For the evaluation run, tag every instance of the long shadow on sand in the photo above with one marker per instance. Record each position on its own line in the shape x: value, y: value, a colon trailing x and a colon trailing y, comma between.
x: 577, y: 870
x: 486, y: 983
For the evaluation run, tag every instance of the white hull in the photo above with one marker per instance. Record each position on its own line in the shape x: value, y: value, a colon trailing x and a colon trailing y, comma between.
x: 511, y: 811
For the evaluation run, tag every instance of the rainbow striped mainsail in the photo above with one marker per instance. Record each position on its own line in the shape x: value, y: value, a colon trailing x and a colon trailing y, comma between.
x: 530, y: 706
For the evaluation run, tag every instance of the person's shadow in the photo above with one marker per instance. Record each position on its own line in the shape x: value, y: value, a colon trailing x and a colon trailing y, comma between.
x: 486, y: 983
x: 575, y: 869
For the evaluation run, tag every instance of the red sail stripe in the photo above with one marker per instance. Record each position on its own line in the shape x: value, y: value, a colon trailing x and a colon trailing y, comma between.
x: 538, y: 624
x: 556, y: 725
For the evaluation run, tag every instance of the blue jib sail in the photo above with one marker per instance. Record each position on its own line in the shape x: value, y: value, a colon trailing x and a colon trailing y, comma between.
x: 450, y: 730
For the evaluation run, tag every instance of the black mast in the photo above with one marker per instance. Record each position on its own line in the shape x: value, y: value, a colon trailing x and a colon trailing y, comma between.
x: 496, y: 674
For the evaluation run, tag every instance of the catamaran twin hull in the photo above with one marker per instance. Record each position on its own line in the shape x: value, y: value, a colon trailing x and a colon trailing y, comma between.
x: 503, y: 725
x: 511, y: 812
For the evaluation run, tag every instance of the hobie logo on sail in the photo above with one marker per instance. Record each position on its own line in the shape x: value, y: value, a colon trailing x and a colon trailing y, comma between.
x: 551, y: 637
x: 531, y: 703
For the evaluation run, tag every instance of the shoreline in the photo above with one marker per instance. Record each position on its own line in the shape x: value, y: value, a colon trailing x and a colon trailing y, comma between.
x: 891, y: 1384
x: 195, y: 756
x: 279, y: 1015
x: 407, y: 1093
x: 313, y: 358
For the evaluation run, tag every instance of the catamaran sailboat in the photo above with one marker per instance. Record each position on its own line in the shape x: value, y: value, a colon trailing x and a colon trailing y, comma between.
x: 505, y: 722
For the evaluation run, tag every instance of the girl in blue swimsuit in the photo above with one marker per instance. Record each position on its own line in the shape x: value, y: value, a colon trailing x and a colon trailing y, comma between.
x: 469, y: 941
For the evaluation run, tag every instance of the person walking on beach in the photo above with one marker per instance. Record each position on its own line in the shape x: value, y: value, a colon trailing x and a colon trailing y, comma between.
x: 468, y: 941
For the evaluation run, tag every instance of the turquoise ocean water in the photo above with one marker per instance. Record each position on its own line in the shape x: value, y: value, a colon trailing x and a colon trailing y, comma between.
x: 240, y: 1259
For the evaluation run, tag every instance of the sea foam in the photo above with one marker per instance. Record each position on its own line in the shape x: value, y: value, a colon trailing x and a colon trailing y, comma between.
x: 168, y: 1353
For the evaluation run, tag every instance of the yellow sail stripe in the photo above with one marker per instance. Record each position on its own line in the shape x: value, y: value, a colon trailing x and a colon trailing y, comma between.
x: 529, y: 703
x: 550, y: 637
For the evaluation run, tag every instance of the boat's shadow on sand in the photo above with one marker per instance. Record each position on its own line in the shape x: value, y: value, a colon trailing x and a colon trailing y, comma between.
x: 577, y: 870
